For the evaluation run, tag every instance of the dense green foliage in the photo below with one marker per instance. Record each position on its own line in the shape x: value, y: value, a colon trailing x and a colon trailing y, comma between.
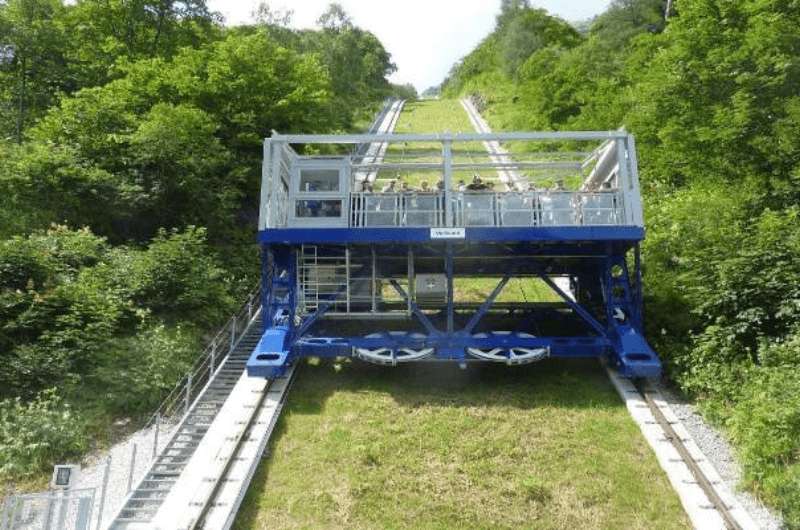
x: 130, y: 153
x: 34, y: 433
x: 712, y: 97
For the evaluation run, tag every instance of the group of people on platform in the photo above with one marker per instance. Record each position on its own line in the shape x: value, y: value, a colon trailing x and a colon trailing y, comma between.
x: 477, y: 184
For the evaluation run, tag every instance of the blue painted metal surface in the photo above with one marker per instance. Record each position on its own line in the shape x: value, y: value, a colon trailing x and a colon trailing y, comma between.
x: 420, y: 235
x: 610, y: 323
x: 271, y: 356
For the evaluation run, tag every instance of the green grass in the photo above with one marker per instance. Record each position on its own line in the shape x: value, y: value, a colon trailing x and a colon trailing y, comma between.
x: 516, y: 290
x: 434, y: 116
x: 432, y: 446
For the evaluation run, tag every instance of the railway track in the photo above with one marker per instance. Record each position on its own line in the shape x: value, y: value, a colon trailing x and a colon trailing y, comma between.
x: 373, y: 153
x: 704, y: 495
x: 509, y: 176
x: 706, y: 499
x: 725, y: 511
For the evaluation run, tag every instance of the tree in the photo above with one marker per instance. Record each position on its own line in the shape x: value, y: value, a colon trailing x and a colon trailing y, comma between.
x: 530, y: 30
x: 509, y: 9
x: 108, y: 32
x: 626, y: 18
x: 335, y: 18
x: 405, y: 91
x: 32, y: 68
x: 270, y: 16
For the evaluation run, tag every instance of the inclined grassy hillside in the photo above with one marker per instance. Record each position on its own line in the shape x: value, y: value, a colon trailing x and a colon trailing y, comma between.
x: 432, y: 446
x: 427, y: 446
x: 711, y: 96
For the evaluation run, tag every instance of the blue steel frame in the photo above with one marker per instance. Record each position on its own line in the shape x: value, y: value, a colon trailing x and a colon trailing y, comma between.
x: 618, y: 336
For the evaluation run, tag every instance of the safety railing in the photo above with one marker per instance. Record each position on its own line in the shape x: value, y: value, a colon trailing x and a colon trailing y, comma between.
x: 492, y: 209
x: 183, y: 394
x: 397, y: 209
x: 579, y: 163
x: 62, y: 510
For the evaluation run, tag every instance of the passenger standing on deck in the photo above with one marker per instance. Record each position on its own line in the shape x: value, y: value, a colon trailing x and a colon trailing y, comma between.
x: 389, y: 188
x: 424, y: 187
x: 477, y: 184
x: 461, y: 186
x: 404, y: 187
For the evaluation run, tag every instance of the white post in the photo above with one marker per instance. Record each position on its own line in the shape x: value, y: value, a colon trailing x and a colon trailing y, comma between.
x: 263, y: 211
x: 213, y: 360
x: 155, y: 434
x: 103, y: 489
x: 635, y: 202
x: 624, y: 179
x: 132, y: 468
x: 188, y: 397
x: 447, y: 159
x: 233, y: 333
x: 275, y: 180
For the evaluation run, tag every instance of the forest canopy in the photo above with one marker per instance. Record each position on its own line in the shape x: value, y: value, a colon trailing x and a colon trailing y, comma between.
x: 130, y: 153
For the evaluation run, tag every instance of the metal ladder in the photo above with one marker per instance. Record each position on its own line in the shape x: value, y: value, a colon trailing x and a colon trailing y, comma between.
x: 322, y: 277
x: 148, y: 496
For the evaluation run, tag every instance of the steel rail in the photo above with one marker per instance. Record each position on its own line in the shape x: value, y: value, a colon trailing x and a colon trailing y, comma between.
x: 440, y: 137
x: 467, y: 166
x: 218, y: 509
x: 669, y: 432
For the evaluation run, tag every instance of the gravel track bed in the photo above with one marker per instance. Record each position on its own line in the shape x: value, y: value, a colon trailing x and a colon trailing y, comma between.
x: 93, y: 468
x: 717, y: 449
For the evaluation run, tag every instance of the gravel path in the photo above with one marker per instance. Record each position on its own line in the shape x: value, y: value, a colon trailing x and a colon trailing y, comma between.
x: 94, y: 466
x: 720, y: 453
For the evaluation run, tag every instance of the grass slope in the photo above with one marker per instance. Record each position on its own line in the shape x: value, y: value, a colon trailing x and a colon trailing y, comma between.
x: 431, y: 446
x: 432, y: 116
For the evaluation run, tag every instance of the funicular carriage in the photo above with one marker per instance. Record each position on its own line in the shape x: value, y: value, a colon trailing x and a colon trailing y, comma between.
x: 350, y: 271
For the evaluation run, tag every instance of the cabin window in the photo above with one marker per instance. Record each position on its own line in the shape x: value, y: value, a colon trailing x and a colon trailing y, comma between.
x: 319, y: 180
x: 318, y: 208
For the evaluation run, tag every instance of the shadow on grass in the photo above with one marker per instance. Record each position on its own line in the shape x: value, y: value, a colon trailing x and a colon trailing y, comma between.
x: 565, y: 384
x: 560, y: 383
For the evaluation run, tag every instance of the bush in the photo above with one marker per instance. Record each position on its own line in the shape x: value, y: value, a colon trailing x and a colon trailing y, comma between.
x: 178, y: 276
x: 138, y: 372
x: 765, y: 424
x: 37, y: 434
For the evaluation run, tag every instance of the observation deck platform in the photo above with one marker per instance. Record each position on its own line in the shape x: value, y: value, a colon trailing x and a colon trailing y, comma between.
x: 386, y: 236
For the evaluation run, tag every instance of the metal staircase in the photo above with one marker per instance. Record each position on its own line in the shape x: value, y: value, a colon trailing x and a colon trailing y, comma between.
x: 146, y: 499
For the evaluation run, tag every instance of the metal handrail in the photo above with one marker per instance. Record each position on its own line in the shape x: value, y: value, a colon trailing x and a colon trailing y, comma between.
x: 569, y: 209
x: 215, y: 353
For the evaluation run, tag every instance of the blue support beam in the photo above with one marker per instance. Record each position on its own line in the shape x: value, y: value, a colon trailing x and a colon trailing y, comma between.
x: 316, y: 315
x: 607, y: 288
x: 270, y: 358
x: 422, y: 317
x: 554, y: 234
x: 485, y: 305
x: 633, y: 356
x: 573, y: 347
x: 585, y: 315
